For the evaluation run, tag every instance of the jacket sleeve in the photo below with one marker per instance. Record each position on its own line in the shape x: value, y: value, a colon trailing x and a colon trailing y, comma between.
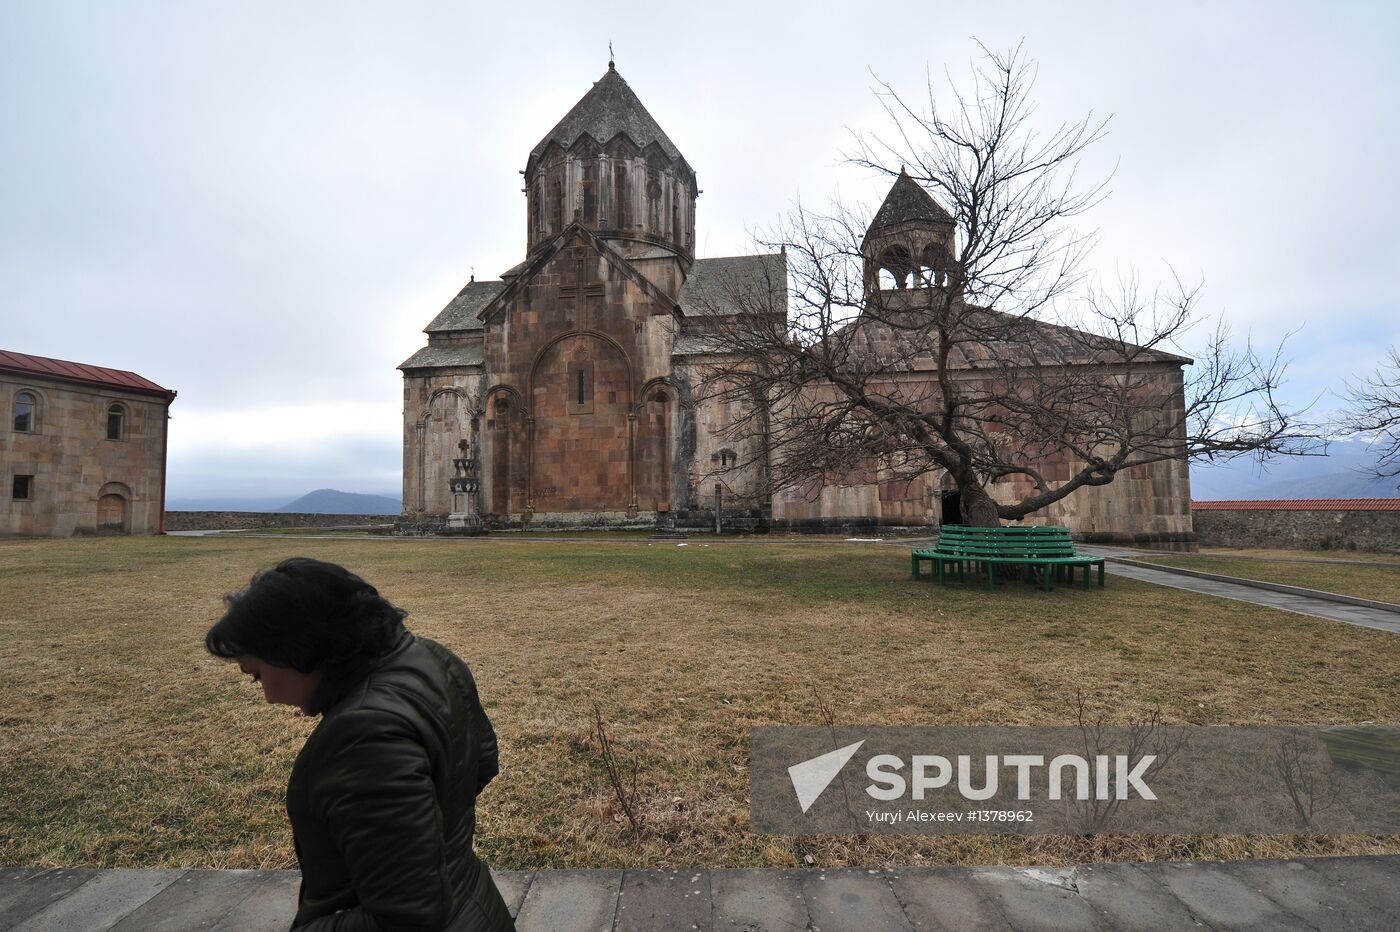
x: 374, y: 791
x: 488, y: 762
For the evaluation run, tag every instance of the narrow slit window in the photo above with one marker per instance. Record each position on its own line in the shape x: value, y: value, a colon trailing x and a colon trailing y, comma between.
x: 579, y: 388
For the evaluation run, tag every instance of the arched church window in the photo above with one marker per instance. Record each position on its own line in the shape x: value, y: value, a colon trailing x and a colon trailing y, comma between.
x: 26, y: 413
x: 622, y: 210
x: 675, y: 216
x: 116, y: 421
x: 590, y: 193
x: 502, y: 414
x: 556, y: 206
x: 537, y: 215
x: 653, y: 201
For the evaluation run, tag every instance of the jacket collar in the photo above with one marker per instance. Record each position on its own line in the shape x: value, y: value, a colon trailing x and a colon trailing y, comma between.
x: 338, y: 680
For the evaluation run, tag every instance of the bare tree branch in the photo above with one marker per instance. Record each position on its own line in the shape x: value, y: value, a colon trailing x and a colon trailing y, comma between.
x: 990, y: 356
x: 1373, y: 412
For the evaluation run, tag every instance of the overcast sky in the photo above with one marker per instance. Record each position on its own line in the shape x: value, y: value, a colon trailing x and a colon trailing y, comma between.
x: 262, y: 205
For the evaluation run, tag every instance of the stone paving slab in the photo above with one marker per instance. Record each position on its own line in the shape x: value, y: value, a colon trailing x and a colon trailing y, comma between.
x: 1380, y: 619
x: 235, y: 899
x: 101, y: 901
x: 1315, y: 894
x: 568, y: 900
x: 26, y: 892
x: 664, y: 900
x: 758, y: 900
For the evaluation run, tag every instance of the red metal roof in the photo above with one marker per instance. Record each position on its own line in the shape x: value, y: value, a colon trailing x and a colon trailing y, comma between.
x: 80, y: 372
x: 1303, y: 504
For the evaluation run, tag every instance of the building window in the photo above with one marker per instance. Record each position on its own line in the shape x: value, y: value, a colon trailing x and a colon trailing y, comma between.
x: 116, y: 422
x: 622, y: 209
x: 26, y: 413
x: 537, y: 220
x: 580, y: 388
x: 590, y: 193
x: 556, y: 205
x: 23, y: 490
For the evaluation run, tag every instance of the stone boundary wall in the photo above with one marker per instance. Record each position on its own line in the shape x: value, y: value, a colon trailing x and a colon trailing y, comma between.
x: 1286, y: 529
x: 253, y: 520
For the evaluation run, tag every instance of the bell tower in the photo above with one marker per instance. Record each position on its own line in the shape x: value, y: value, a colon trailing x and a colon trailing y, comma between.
x: 910, y: 242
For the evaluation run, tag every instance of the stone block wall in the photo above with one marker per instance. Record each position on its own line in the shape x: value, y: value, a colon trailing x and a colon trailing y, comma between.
x: 1373, y: 531
x: 256, y: 520
x: 73, y: 463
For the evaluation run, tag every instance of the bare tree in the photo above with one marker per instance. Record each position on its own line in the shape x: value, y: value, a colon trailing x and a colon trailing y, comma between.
x: 989, y: 355
x: 1374, y: 412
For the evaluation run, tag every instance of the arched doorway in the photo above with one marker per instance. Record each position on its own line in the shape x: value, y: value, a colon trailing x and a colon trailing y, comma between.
x: 950, y: 502
x: 114, y: 509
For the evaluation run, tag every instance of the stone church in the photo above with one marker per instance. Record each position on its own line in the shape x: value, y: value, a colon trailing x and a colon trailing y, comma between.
x: 561, y: 393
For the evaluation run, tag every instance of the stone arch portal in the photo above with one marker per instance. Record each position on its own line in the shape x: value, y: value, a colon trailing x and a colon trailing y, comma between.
x: 114, y: 508
x: 582, y: 427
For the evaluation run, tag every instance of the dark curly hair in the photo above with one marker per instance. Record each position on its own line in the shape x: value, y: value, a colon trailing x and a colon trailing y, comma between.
x: 308, y: 615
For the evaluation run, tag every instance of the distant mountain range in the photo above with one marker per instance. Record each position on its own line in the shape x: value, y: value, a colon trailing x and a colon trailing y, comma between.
x: 319, y: 502
x: 1339, y: 474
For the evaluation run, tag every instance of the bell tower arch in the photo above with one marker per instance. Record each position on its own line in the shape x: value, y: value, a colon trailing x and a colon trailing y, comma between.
x: 910, y: 243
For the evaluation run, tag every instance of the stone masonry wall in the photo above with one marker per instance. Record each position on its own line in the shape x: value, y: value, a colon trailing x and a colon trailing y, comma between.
x: 73, y: 463
x: 253, y: 520
x: 1375, y: 531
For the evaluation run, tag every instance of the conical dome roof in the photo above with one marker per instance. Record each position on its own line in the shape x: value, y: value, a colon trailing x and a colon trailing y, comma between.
x: 610, y: 107
x: 908, y: 200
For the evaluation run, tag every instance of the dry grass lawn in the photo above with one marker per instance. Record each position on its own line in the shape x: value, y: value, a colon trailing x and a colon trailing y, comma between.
x: 123, y: 744
x: 1348, y: 577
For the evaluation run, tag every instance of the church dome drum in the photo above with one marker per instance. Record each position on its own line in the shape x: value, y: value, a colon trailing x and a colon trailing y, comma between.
x: 610, y: 167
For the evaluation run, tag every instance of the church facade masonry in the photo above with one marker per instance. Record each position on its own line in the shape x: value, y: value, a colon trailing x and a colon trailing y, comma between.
x: 560, y: 395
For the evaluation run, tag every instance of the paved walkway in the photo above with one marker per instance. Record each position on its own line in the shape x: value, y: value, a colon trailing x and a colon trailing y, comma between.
x: 1307, y: 894
x: 1366, y: 617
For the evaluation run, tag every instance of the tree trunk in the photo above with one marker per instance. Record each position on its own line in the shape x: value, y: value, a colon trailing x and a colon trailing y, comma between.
x: 978, y: 509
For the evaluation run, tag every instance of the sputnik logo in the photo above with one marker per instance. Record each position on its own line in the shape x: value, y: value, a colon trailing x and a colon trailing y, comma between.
x: 811, y: 777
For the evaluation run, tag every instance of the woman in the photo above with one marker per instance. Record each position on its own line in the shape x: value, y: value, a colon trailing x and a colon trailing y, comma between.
x: 382, y: 797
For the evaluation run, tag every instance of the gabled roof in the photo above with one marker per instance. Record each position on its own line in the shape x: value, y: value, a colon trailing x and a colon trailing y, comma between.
x: 991, y: 340
x: 432, y: 357
x: 545, y: 252
x: 718, y: 287
x: 1302, y: 504
x: 610, y: 107
x: 906, y: 201
x: 80, y: 373
x: 462, y: 311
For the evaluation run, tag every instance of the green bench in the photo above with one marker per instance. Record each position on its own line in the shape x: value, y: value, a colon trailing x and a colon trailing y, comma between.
x: 984, y: 548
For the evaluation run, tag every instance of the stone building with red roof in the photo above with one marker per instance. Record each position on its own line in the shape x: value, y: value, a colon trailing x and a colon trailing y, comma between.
x: 83, y: 449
